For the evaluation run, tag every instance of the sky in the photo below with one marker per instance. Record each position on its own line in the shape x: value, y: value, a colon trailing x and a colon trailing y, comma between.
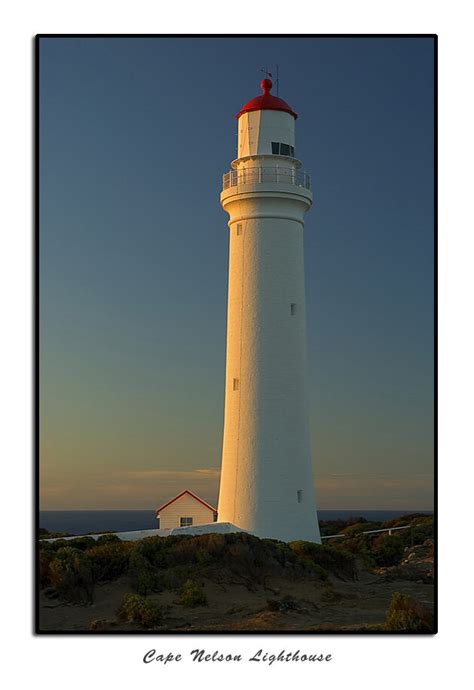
x: 135, y: 135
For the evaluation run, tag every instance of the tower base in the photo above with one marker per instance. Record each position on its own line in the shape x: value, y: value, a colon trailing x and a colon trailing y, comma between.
x: 226, y: 528
x: 209, y: 528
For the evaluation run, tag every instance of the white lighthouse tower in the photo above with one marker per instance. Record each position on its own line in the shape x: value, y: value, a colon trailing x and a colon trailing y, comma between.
x: 266, y: 485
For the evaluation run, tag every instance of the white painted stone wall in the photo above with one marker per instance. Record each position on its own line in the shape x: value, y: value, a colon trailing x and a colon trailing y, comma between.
x: 185, y: 506
x: 266, y: 478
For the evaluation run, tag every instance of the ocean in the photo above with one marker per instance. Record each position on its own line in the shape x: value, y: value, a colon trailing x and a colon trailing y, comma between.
x: 84, y: 521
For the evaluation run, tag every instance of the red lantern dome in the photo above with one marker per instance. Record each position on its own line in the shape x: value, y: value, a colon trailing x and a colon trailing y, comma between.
x: 266, y: 101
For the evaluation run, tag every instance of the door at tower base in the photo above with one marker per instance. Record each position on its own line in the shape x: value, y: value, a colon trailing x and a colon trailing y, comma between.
x: 267, y: 485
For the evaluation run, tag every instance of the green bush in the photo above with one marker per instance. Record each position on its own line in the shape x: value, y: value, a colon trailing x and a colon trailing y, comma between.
x: 359, y: 546
x: 387, y: 550
x: 407, y: 614
x: 192, y: 594
x: 108, y: 539
x: 421, y: 532
x: 46, y: 534
x: 412, y: 518
x: 70, y: 573
x: 136, y: 609
x: 45, y: 558
x: 333, y: 559
x: 174, y: 578
x: 143, y: 575
x: 82, y: 543
x: 358, y: 527
x: 287, y: 603
x: 283, y: 554
x: 109, y: 559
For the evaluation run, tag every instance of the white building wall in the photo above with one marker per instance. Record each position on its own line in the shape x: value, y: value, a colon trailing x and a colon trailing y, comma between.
x: 266, y: 457
x: 186, y: 506
x: 258, y: 128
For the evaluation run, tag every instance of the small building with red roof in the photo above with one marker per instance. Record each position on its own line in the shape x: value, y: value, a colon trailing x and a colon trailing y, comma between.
x: 185, y: 510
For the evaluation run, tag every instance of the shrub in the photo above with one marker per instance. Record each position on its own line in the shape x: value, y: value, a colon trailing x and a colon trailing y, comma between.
x: 283, y: 554
x: 174, y: 578
x: 321, y: 573
x: 359, y: 546
x: 82, y: 543
x: 144, y: 577
x: 387, y: 550
x: 108, y: 539
x: 109, y: 559
x: 192, y: 594
x: 136, y: 609
x: 358, y: 527
x: 158, y: 550
x: 407, y: 614
x: 191, y: 550
x: 45, y: 558
x: 421, y: 532
x: 70, y: 573
x: 287, y: 603
x: 408, y: 520
x: 333, y: 559
x: 54, y: 545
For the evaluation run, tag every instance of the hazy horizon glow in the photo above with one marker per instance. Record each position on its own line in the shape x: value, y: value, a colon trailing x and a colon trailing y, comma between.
x: 135, y: 135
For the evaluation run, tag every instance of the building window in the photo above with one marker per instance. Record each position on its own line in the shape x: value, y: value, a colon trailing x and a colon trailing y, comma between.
x: 279, y: 149
x: 185, y: 521
x: 292, y: 309
x: 235, y: 385
x: 239, y: 228
x: 299, y: 495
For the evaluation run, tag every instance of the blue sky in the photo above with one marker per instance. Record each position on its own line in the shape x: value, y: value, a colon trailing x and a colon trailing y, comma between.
x: 135, y: 135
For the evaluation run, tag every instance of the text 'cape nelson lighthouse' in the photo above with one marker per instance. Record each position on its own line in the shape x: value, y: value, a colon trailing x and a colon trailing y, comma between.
x: 266, y: 483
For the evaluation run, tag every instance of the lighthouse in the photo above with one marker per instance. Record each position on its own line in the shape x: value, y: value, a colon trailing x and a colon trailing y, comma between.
x: 266, y: 484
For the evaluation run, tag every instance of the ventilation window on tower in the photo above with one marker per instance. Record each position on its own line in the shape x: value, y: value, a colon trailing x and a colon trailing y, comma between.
x: 239, y: 228
x: 293, y: 309
x: 235, y: 385
x: 299, y: 495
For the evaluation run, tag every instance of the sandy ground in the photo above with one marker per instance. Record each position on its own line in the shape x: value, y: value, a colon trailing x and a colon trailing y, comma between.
x: 339, y: 605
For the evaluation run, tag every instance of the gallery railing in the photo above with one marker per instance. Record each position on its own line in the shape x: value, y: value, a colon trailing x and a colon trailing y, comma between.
x: 258, y: 175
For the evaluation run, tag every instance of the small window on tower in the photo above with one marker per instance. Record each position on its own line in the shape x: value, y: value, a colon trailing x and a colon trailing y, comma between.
x: 284, y: 149
x: 275, y: 148
x: 239, y: 228
x: 293, y: 309
x: 292, y: 151
x: 235, y: 385
x: 299, y: 495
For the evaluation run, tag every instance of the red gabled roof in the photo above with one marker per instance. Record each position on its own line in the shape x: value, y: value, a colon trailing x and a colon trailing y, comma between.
x: 186, y: 491
x: 266, y: 102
